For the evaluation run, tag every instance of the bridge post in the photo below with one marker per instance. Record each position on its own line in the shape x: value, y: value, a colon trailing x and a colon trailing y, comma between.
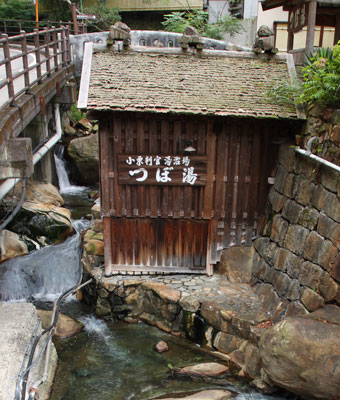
x: 8, y: 67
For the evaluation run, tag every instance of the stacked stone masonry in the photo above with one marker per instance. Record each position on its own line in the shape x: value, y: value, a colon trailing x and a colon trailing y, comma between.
x: 296, y: 264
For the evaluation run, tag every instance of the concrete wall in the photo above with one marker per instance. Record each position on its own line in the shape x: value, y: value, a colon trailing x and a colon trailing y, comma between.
x: 297, y: 258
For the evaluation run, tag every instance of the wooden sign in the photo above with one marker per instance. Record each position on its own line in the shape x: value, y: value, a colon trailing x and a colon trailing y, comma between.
x: 136, y: 169
x: 298, y: 18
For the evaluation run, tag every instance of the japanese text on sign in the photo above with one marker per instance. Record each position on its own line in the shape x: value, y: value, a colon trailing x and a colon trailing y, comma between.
x: 166, y: 169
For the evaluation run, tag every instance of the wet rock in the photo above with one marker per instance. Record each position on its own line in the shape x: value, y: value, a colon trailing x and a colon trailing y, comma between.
x: 204, y: 369
x: 302, y: 353
x: 165, y: 292
x: 161, y: 346
x: 236, y: 263
x: 217, y: 394
x: 66, y: 326
x: 84, y: 152
x: 11, y: 245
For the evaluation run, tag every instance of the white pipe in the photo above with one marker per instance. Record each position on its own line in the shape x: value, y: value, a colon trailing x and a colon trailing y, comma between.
x: 37, y: 156
x: 318, y: 159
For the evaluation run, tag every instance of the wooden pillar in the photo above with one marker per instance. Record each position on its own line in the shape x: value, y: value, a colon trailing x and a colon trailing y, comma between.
x: 311, y: 26
x: 74, y: 18
x: 337, y: 29
x: 290, y: 41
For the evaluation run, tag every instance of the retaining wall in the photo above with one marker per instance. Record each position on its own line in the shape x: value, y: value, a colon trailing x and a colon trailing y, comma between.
x: 296, y: 265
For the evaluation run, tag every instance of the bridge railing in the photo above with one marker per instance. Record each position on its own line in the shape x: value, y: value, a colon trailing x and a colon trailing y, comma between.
x: 14, y: 27
x: 28, y: 58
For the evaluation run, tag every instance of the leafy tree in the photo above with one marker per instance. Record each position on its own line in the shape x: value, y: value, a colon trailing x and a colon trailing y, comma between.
x: 105, y: 17
x: 178, y: 21
x: 17, y: 9
x: 321, y: 79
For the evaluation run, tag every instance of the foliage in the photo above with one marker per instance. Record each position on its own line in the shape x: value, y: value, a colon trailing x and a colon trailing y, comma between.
x: 321, y: 79
x: 178, y: 21
x: 284, y: 94
x: 56, y: 10
x: 17, y: 9
x: 105, y: 17
x: 75, y: 114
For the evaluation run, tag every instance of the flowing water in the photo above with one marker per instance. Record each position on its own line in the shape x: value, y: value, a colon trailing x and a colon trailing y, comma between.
x: 113, y: 361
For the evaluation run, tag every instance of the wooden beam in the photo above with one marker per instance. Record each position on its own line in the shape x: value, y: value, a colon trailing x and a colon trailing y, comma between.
x: 311, y: 26
x: 337, y: 30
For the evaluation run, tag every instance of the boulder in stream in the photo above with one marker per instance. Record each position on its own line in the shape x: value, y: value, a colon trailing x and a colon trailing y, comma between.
x: 210, y: 369
x: 302, y: 354
x: 66, y: 326
x: 217, y: 394
x: 11, y: 245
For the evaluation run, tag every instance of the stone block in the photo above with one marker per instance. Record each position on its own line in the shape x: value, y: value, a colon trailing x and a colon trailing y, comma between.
x: 329, y: 229
x: 280, y: 179
x: 261, y: 244
x: 236, y: 263
x: 314, y: 244
x: 261, y: 269
x: 319, y: 197
x: 328, y: 255
x: 295, y: 308
x: 286, y: 157
x: 280, y: 283
x: 311, y: 300
x: 327, y: 287
x: 329, y: 178
x: 270, y: 252
x: 271, y: 301
x: 310, y: 275
x: 211, y: 313
x: 305, y: 191
x: 293, y: 290
x: 269, y: 275
x: 289, y: 189
x: 279, y: 229
x: 295, y: 239
x: 283, y: 258
x: 335, y: 135
x: 292, y: 211
x: 252, y: 361
x: 309, y: 218
x: 226, y: 343
x: 335, y: 270
x: 332, y: 207
x: 293, y: 268
x: 276, y: 200
x: 305, y: 167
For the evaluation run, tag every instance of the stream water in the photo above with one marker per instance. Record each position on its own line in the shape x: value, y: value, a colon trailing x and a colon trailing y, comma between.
x: 113, y: 361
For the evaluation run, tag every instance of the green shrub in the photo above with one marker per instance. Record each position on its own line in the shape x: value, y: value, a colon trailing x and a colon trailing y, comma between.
x: 75, y: 114
x: 17, y: 9
x: 321, y: 78
x: 105, y: 17
x: 178, y: 21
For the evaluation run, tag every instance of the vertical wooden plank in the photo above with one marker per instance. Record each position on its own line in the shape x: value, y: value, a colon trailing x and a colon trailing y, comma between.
x: 122, y: 240
x: 209, y: 188
x: 168, y: 238
x: 201, y: 150
x: 176, y: 202
x: 129, y: 150
x: 117, y: 148
x: 141, y: 150
x: 189, y: 135
x: 242, y: 173
x: 130, y: 240
x: 107, y: 246
x: 182, y: 240
x: 254, y: 183
x: 175, y: 244
x: 165, y: 151
x: 114, y: 241
x: 153, y: 241
x: 137, y: 241
x: 104, y: 169
x: 209, y: 266
x: 263, y: 181
x: 153, y: 151
x: 145, y: 241
x: 160, y: 242
x: 222, y: 153
x: 190, y: 241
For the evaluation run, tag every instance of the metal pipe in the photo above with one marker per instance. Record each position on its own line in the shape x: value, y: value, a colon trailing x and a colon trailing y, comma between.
x: 309, y: 154
x: 11, y: 182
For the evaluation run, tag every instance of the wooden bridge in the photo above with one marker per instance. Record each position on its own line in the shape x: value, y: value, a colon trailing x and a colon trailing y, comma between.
x: 36, y: 72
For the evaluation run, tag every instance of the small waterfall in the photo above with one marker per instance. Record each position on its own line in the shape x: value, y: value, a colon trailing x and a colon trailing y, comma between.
x: 45, y: 272
x: 65, y: 185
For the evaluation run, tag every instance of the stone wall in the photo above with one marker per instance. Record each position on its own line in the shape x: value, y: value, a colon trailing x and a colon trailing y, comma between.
x: 297, y: 261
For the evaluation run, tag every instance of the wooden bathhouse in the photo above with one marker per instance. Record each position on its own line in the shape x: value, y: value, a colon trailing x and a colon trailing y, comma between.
x: 188, y: 147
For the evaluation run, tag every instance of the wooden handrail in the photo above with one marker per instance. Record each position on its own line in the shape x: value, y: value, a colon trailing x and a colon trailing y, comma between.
x: 30, y: 57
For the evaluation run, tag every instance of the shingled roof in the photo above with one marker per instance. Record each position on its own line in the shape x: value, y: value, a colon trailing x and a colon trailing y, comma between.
x: 209, y: 84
